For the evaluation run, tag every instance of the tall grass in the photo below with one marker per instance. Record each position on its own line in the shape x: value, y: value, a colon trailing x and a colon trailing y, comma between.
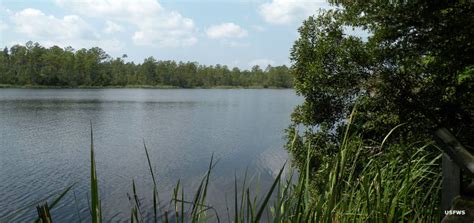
x: 394, y: 191
x: 381, y: 190
x: 96, y: 215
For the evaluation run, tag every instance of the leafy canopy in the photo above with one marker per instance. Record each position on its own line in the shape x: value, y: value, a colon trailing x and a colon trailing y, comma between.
x: 415, y: 67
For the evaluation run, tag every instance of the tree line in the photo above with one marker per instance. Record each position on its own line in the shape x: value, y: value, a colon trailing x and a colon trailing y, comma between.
x: 33, y: 64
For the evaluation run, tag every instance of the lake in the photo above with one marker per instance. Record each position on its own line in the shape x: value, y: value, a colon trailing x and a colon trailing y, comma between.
x: 45, y: 144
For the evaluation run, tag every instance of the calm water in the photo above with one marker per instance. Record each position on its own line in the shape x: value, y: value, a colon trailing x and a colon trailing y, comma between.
x: 45, y: 138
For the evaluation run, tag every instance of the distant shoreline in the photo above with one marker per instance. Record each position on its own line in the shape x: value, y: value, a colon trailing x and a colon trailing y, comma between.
x: 131, y: 87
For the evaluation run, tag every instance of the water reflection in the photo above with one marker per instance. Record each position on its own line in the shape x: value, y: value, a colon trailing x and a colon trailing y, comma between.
x: 44, y: 142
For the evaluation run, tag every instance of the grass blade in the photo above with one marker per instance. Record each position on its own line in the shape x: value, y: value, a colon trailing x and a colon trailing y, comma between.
x: 95, y: 203
x: 269, y: 194
x: 156, y: 198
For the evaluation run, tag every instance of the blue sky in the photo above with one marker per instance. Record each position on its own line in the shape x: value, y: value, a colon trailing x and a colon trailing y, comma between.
x: 237, y: 33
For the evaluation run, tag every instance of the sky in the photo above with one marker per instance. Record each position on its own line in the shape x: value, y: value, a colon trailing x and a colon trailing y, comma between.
x: 236, y: 33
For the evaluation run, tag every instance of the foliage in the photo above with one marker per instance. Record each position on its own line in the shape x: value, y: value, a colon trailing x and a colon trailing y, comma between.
x: 414, y: 67
x: 36, y: 65
x: 360, y: 188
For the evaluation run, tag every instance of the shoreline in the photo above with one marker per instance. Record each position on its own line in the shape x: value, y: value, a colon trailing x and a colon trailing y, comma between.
x: 9, y: 86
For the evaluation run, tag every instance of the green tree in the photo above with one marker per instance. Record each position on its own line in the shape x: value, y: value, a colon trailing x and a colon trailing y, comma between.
x: 33, y: 64
x: 5, y: 75
x: 147, y: 71
x: 407, y: 70
x: 17, y: 59
x: 279, y: 77
x: 96, y: 62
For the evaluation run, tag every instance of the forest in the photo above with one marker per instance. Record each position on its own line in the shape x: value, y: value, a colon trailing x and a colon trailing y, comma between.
x: 35, y: 65
x: 362, y: 144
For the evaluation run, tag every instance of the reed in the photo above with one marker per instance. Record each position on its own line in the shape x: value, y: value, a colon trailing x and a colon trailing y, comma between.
x: 385, y: 190
x: 96, y: 215
x: 381, y: 190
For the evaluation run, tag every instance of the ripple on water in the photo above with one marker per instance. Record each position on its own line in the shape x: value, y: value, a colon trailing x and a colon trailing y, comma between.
x: 44, y: 143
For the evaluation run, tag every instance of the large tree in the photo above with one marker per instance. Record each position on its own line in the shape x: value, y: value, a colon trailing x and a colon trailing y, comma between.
x: 414, y: 67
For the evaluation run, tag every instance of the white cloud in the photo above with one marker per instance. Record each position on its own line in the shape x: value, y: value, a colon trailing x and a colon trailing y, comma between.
x: 35, y: 24
x: 287, y: 11
x: 48, y: 30
x: 112, y: 27
x: 155, y: 26
x: 263, y: 63
x: 226, y: 30
x: 110, y: 45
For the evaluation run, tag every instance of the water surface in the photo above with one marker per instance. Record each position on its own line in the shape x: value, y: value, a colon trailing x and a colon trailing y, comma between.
x: 45, y: 138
